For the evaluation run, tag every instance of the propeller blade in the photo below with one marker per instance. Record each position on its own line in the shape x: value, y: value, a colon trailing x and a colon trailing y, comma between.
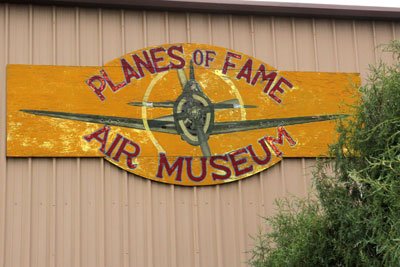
x: 191, y: 76
x: 229, y: 106
x: 205, y: 148
x: 165, y: 118
x: 182, y: 78
x: 230, y: 101
x: 166, y: 104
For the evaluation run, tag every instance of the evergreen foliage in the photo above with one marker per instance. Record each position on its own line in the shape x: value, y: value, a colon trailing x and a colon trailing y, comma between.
x: 355, y: 218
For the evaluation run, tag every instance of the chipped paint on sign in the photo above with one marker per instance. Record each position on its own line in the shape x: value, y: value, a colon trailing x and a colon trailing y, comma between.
x: 186, y: 114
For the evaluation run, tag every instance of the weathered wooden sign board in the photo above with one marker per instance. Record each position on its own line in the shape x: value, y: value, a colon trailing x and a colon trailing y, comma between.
x: 186, y: 114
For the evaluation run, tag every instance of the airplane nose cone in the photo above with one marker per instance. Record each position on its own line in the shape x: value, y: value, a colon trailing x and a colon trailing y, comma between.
x: 195, y: 112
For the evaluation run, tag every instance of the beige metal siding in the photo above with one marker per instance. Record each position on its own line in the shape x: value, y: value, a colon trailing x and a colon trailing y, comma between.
x: 87, y: 212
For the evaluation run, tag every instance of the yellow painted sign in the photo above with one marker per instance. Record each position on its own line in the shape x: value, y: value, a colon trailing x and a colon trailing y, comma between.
x: 186, y: 114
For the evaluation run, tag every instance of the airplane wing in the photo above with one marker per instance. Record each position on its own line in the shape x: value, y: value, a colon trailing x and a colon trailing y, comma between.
x: 239, y: 126
x: 154, y: 125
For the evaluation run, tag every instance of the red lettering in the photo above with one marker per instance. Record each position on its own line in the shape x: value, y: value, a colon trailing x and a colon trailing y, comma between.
x: 266, y: 150
x: 270, y: 77
x: 245, y: 72
x: 278, y: 88
x: 110, y: 82
x: 271, y: 140
x: 145, y: 63
x: 228, y: 63
x: 97, y: 90
x: 209, y: 58
x: 195, y: 57
x: 156, y: 59
x: 176, y: 57
x: 113, y: 145
x: 178, y: 165
x: 203, y: 169
x: 261, y: 71
x: 217, y: 166
x: 129, y: 155
x: 129, y: 71
x: 96, y: 135
x: 236, y: 163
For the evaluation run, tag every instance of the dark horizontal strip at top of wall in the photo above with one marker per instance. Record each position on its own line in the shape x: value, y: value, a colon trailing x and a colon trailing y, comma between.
x: 236, y: 6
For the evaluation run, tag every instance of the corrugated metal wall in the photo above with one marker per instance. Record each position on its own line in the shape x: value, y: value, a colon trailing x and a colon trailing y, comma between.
x: 86, y: 212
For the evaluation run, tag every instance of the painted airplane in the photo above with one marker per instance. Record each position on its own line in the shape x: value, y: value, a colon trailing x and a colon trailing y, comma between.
x: 192, y: 117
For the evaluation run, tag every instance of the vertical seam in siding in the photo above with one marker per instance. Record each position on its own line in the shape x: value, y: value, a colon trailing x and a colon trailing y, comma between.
x: 77, y: 217
x: 148, y: 182
x: 261, y: 205
x: 53, y: 29
x: 282, y: 173
x: 393, y: 31
x: 188, y: 32
x: 29, y: 227
x: 355, y: 45
x: 335, y: 45
x: 7, y: 31
x: 101, y: 258
x: 125, y: 203
x: 52, y: 239
x: 210, y: 37
x: 144, y: 25
x: 273, y: 40
x: 149, y: 225
x: 166, y: 22
x: 53, y: 253
x: 123, y: 46
x: 100, y: 34
x: 77, y: 36
x: 30, y: 33
x: 296, y: 68
x: 375, y: 44
x: 29, y: 234
x: 294, y: 43
x: 102, y: 232
x: 195, y: 222
x: 172, y: 222
x: 275, y: 66
x: 253, y: 45
x: 3, y: 158
x: 77, y: 221
x: 196, y: 228
x: 125, y: 224
x: 316, y: 64
x: 314, y: 31
x: 218, y: 226
x: 172, y: 226
x: 217, y: 207
x: 303, y: 167
x: 241, y: 229
x: 231, y: 33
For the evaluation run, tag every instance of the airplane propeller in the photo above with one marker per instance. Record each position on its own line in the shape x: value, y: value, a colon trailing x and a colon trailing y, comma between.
x: 193, y: 112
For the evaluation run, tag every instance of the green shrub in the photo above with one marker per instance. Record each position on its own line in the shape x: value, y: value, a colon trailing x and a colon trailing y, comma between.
x: 355, y: 220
